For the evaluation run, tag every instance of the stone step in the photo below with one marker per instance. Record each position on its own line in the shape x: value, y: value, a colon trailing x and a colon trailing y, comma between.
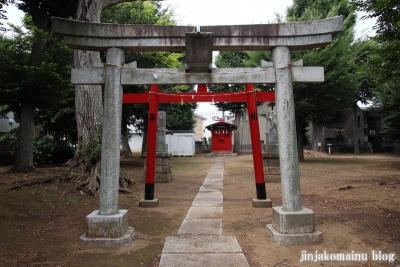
x: 201, y: 244
x: 204, y: 260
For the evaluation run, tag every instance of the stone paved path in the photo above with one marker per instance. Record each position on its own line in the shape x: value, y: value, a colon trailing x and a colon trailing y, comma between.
x: 199, y: 241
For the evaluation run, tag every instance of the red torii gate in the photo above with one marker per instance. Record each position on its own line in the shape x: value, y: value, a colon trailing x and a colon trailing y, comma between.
x: 155, y: 96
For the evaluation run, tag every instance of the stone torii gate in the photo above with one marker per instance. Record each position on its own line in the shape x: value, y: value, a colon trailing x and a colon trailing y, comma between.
x: 292, y: 223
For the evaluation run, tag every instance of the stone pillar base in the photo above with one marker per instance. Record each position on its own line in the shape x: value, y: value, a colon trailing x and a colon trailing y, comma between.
x: 262, y: 203
x: 163, y: 173
x: 107, y: 230
x: 152, y: 203
x: 293, y: 227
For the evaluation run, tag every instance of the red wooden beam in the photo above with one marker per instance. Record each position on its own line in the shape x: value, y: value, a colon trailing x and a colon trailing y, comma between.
x: 198, y: 97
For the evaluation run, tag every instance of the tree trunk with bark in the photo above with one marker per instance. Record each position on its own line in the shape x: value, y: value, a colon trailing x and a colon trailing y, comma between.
x: 317, y: 138
x: 355, y: 129
x: 24, y: 161
x: 236, y: 140
x: 85, y: 166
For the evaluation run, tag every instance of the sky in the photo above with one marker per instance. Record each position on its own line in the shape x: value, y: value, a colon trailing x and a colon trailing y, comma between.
x: 223, y: 12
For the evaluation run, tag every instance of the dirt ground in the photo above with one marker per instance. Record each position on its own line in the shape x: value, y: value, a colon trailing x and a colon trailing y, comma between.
x: 355, y: 198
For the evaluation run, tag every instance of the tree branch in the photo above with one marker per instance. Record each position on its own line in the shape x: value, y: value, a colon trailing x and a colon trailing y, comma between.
x: 108, y: 3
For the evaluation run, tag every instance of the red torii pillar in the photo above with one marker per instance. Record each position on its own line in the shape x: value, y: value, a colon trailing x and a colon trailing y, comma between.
x: 151, y: 145
x: 256, y: 143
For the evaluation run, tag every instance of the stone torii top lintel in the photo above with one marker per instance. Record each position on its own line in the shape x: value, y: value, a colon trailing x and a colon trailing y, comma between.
x: 144, y: 38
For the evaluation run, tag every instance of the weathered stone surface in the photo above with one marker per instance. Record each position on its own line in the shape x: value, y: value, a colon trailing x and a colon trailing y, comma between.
x: 284, y: 99
x: 272, y: 170
x: 204, y: 212
x: 294, y: 239
x: 111, y: 135
x: 163, y: 177
x: 206, y: 227
x: 272, y: 178
x: 203, y: 259
x: 201, y: 244
x: 262, y: 203
x: 152, y: 203
x: 103, y: 242
x: 293, y: 222
x: 108, y: 226
x: 271, y: 161
x: 140, y: 38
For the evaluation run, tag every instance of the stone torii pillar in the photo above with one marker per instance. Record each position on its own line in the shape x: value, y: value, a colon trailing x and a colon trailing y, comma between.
x: 108, y: 226
x: 292, y: 224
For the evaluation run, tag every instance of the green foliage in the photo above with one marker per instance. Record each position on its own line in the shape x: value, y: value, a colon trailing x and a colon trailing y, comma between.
x: 230, y: 59
x: 387, y: 14
x: 179, y: 116
x: 384, y: 64
x: 90, y: 150
x: 46, y: 150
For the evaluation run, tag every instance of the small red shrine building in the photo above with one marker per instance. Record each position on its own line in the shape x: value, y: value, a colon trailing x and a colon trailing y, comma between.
x: 221, y: 136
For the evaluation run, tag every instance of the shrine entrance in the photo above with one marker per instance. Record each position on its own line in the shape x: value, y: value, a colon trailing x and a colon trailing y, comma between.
x: 292, y: 224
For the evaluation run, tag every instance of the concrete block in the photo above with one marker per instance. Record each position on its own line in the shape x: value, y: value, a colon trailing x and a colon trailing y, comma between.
x: 293, y: 222
x: 273, y: 170
x: 262, y: 203
x: 271, y: 161
x: 163, y: 177
x: 97, y: 242
x: 107, y: 226
x: 272, y: 178
x: 152, y: 203
x: 294, y: 239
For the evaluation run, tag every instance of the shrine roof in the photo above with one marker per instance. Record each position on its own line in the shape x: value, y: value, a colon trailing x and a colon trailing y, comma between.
x: 221, y: 125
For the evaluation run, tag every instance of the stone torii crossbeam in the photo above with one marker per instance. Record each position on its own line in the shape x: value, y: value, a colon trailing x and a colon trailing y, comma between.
x: 292, y: 224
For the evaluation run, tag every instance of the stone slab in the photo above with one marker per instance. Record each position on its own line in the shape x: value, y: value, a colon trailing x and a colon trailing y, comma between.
x: 215, y: 176
x: 124, y: 240
x: 262, y: 203
x: 204, y: 260
x: 152, y: 203
x: 208, y: 199
x: 107, y: 226
x: 201, y: 244
x: 293, y: 222
x: 209, y: 227
x: 211, y: 186
x: 294, y: 239
x: 204, y: 212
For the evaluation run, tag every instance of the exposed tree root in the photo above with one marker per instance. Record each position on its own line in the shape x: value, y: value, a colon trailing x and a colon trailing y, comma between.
x: 86, y: 177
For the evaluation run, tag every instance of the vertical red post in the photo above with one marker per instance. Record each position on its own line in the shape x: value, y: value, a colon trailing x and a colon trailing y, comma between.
x: 256, y: 142
x: 202, y: 88
x: 151, y: 143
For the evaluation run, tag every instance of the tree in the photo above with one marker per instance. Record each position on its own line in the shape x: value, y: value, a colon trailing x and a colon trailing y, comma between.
x: 179, y: 116
x: 385, y: 66
x: 37, y: 77
x: 318, y: 103
x: 2, y: 11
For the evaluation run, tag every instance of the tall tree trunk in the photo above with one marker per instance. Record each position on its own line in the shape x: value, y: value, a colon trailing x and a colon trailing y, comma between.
x: 317, y: 138
x: 89, y: 107
x: 24, y: 161
x: 126, y: 149
x: 355, y: 129
x: 236, y: 140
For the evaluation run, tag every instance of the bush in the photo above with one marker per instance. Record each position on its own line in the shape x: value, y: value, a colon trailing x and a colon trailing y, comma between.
x: 345, y: 148
x: 46, y: 150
